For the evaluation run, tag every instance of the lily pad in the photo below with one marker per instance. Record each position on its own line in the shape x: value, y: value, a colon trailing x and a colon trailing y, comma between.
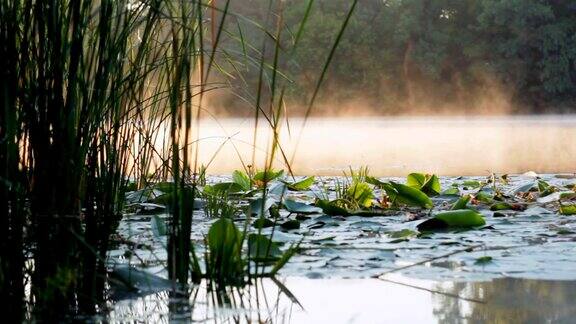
x: 300, y: 208
x: 222, y: 188
x: 301, y: 185
x: 429, y: 184
x: 262, y: 223
x: 330, y: 208
x: 408, y: 195
x: 568, y: 209
x: 402, y: 234
x: 483, y: 260
x: 464, y: 218
x: 291, y: 224
x: 462, y: 202
x: 453, y: 191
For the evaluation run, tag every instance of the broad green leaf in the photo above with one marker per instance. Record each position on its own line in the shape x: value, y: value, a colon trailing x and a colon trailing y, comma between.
x: 416, y: 180
x: 405, y: 233
x: 463, y: 218
x: 262, y: 223
x: 301, y: 185
x: 225, y: 246
x: 223, y: 232
x: 300, y: 208
x: 568, y: 209
x: 331, y: 208
x: 375, y: 182
x: 501, y: 206
x: 411, y: 196
x: 242, y: 180
x: 462, y: 202
x: 222, y: 188
x: 429, y: 184
x: 268, y: 175
x: 483, y: 260
x: 545, y: 189
x: 454, y: 191
x: 432, y: 186
x: 472, y: 184
x: 484, y: 197
x: 291, y: 224
x: 361, y: 193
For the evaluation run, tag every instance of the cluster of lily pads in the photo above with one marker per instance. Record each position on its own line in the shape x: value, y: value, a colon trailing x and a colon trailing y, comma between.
x: 236, y: 246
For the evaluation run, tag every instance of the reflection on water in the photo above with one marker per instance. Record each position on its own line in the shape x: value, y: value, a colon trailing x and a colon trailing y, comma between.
x: 363, y: 301
x: 397, y: 146
x: 510, y: 301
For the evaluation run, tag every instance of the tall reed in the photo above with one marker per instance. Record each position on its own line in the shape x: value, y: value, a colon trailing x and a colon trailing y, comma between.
x: 87, y: 90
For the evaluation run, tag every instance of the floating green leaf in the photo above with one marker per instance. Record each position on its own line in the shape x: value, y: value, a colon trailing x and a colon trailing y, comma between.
x: 462, y: 202
x: 568, y: 209
x: 507, y: 206
x: 262, y: 223
x: 291, y: 224
x: 472, y: 184
x: 375, y: 182
x: 463, y: 218
x: 501, y: 206
x: 268, y: 175
x: 331, y: 208
x: 483, y: 260
x: 484, y: 197
x: 360, y: 193
x: 407, y: 195
x: 427, y: 183
x: 454, y: 191
x: 405, y: 233
x: 223, y: 188
x: 301, y: 185
x: 300, y: 208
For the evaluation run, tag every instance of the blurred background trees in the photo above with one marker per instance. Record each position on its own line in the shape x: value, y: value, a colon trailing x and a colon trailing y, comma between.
x: 422, y: 56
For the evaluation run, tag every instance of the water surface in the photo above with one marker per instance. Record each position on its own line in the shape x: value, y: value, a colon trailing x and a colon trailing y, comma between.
x: 365, y: 301
x: 398, y: 146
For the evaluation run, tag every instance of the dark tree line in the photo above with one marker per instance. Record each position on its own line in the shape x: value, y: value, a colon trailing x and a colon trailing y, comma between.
x: 459, y: 55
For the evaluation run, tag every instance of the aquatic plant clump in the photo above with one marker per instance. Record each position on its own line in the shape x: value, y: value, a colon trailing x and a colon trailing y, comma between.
x: 301, y: 233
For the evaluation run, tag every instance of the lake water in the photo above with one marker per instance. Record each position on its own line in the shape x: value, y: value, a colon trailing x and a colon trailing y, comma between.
x: 364, y: 301
x: 529, y: 280
x: 529, y: 275
x: 398, y: 146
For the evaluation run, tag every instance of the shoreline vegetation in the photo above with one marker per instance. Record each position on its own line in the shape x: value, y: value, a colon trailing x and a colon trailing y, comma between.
x: 86, y: 89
